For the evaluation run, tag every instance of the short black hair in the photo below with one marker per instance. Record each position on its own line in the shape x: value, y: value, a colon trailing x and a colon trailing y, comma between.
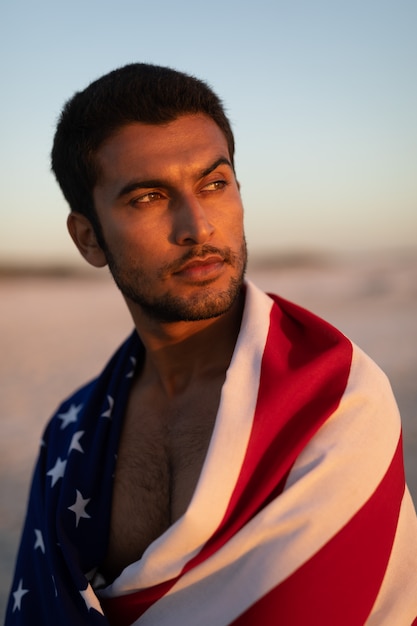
x: 138, y: 92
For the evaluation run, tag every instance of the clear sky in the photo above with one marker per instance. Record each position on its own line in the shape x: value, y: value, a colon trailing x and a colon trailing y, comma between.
x: 322, y: 95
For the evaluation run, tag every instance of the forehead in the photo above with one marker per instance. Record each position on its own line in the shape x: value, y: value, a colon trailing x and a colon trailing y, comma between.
x: 186, y: 140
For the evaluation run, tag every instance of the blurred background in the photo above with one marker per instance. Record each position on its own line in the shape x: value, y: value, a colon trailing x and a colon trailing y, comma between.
x: 322, y: 97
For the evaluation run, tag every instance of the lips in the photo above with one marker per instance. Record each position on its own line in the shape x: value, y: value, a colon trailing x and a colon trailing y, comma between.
x: 201, y: 263
x: 205, y: 268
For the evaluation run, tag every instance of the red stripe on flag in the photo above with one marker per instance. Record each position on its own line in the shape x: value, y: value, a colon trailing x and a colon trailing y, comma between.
x: 124, y: 610
x: 303, y: 379
x: 339, y: 584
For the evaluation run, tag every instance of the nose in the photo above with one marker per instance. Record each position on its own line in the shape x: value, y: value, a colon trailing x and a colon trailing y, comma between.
x: 191, y: 222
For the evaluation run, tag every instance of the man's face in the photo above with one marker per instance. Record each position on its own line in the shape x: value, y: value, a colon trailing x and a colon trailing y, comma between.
x: 171, y: 217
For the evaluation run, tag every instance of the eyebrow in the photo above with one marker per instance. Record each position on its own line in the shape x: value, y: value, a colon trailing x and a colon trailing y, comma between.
x: 211, y: 168
x: 157, y: 182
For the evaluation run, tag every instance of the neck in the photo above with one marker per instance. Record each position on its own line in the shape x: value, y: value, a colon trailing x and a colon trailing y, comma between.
x: 177, y: 354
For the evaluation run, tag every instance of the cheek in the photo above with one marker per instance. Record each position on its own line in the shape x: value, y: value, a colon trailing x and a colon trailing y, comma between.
x: 130, y: 234
x: 233, y: 221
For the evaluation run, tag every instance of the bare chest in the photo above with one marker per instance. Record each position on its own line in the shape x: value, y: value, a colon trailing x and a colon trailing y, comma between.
x: 160, y: 457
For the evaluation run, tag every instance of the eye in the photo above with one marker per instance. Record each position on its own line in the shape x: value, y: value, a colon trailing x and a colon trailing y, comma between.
x: 146, y: 198
x: 216, y: 185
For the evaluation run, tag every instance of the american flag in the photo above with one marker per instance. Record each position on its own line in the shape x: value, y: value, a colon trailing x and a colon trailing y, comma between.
x: 301, y: 514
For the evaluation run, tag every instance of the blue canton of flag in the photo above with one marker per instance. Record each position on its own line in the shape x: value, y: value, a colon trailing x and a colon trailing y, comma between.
x: 66, y: 529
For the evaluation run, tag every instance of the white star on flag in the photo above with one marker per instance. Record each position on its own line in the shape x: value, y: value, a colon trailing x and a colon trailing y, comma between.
x: 39, y: 543
x: 132, y: 372
x: 57, y: 471
x: 75, y: 441
x: 91, y: 599
x: 109, y: 411
x: 69, y: 416
x: 55, y: 589
x: 79, y: 507
x: 18, y: 595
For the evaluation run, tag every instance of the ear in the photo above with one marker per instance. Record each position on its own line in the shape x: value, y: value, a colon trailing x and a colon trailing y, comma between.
x: 83, y: 235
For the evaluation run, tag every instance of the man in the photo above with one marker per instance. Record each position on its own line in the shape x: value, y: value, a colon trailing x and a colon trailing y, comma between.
x: 238, y: 461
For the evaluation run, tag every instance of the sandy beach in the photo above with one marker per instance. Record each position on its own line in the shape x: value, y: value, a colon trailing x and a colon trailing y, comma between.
x: 56, y: 332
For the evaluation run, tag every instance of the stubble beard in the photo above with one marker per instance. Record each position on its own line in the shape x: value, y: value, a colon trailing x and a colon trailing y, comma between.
x: 205, y: 303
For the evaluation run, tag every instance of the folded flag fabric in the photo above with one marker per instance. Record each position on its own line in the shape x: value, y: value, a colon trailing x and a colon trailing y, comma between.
x: 301, y: 514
